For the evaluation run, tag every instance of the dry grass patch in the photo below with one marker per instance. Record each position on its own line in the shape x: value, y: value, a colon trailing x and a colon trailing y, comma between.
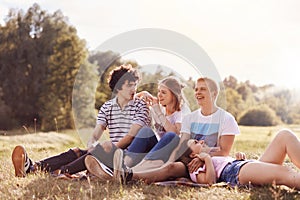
x: 42, y: 186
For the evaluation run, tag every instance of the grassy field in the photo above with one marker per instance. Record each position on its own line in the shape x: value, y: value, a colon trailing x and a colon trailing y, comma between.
x: 252, y: 141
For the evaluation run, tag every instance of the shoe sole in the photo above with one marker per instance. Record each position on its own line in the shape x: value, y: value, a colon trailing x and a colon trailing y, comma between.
x: 118, y: 170
x: 95, y: 168
x: 18, y: 159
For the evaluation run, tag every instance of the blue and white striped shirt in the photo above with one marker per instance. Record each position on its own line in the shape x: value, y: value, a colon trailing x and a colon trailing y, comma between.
x: 119, y: 121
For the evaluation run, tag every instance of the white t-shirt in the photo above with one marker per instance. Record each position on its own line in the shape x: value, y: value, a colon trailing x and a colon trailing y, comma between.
x: 174, y: 118
x: 210, y: 127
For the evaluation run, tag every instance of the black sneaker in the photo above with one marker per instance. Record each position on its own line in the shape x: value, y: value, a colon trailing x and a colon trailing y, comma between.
x: 122, y: 174
x: 22, y: 163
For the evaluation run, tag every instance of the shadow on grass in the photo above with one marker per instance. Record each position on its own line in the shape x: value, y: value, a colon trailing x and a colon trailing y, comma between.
x: 270, y: 192
x: 47, y: 187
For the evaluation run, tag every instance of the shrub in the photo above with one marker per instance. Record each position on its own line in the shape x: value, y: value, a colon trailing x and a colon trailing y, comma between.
x: 261, y: 115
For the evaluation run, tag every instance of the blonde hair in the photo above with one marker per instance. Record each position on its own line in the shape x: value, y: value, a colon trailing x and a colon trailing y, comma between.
x: 175, y: 86
x: 211, y: 84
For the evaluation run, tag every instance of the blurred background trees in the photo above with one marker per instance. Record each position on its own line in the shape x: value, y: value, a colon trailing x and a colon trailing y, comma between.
x: 40, y: 55
x: 46, y: 69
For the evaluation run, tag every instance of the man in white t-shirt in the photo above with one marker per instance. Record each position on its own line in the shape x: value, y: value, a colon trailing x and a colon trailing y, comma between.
x: 210, y: 123
x: 209, y: 128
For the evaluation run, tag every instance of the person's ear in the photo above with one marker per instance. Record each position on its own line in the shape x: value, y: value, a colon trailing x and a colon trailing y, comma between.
x: 215, y: 94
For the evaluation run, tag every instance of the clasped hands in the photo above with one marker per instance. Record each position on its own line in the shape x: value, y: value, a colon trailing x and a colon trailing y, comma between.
x: 198, y: 159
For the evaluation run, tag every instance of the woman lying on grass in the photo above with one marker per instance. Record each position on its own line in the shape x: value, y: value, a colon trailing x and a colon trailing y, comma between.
x: 267, y: 169
x: 237, y: 172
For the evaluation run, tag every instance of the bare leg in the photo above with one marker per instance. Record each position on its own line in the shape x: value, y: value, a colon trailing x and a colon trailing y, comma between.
x: 146, y: 165
x: 284, y: 143
x: 170, y: 170
x: 266, y: 173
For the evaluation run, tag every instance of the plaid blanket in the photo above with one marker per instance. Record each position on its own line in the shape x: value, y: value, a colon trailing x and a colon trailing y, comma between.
x: 176, y: 183
x: 187, y: 182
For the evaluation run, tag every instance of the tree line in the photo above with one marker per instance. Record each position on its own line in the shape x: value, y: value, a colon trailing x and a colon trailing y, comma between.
x: 46, y: 71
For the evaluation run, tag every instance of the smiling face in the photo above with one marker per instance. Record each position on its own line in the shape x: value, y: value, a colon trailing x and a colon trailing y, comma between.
x: 165, y: 96
x: 204, y: 95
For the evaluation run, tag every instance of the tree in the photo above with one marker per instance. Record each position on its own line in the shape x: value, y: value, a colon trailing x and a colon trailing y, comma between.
x: 261, y: 115
x: 280, y: 101
x: 83, y: 101
x: 69, y: 53
x: 40, y: 55
x: 105, y: 62
x: 230, y: 82
x: 22, y: 66
x: 234, y: 102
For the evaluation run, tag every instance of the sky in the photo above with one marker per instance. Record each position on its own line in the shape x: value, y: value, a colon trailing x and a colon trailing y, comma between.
x: 251, y: 40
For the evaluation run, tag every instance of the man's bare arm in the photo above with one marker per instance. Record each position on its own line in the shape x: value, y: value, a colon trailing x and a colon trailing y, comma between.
x: 97, y: 133
x: 127, y: 139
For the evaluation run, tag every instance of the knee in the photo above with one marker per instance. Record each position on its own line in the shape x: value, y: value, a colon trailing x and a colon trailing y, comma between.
x: 107, y: 146
x: 171, y: 136
x: 285, y: 133
x: 145, y: 132
x: 77, y: 151
x: 170, y: 168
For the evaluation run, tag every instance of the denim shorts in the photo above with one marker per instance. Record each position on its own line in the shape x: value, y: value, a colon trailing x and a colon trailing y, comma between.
x: 230, y: 173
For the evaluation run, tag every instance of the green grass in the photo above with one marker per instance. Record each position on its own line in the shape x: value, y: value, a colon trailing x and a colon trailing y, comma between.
x: 252, y: 141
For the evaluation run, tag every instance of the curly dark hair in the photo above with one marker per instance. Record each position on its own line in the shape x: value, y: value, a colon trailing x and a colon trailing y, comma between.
x: 120, y: 75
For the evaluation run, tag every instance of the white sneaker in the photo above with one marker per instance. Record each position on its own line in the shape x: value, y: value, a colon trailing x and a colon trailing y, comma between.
x: 97, y: 168
x: 122, y: 174
x: 118, y: 166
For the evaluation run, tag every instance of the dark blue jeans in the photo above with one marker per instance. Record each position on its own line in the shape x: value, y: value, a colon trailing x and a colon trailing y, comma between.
x: 142, y: 143
x: 145, y: 145
x: 163, y: 149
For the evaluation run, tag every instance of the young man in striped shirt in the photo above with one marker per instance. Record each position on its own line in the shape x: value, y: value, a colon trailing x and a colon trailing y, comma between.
x: 124, y: 116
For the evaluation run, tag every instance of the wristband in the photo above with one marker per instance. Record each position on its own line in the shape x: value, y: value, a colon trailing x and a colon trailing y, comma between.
x: 162, y: 121
x: 160, y: 114
x: 95, y: 144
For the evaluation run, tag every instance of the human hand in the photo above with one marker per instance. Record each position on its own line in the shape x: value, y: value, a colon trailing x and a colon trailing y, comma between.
x: 154, y: 101
x: 90, y: 149
x: 202, y: 156
x: 91, y: 144
x: 194, y: 164
x: 156, y: 109
x: 146, y: 96
x: 240, y: 156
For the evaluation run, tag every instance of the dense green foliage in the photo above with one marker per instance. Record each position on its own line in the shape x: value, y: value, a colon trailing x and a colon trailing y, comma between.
x: 266, y: 105
x: 40, y: 55
x: 261, y: 115
x: 48, y: 79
